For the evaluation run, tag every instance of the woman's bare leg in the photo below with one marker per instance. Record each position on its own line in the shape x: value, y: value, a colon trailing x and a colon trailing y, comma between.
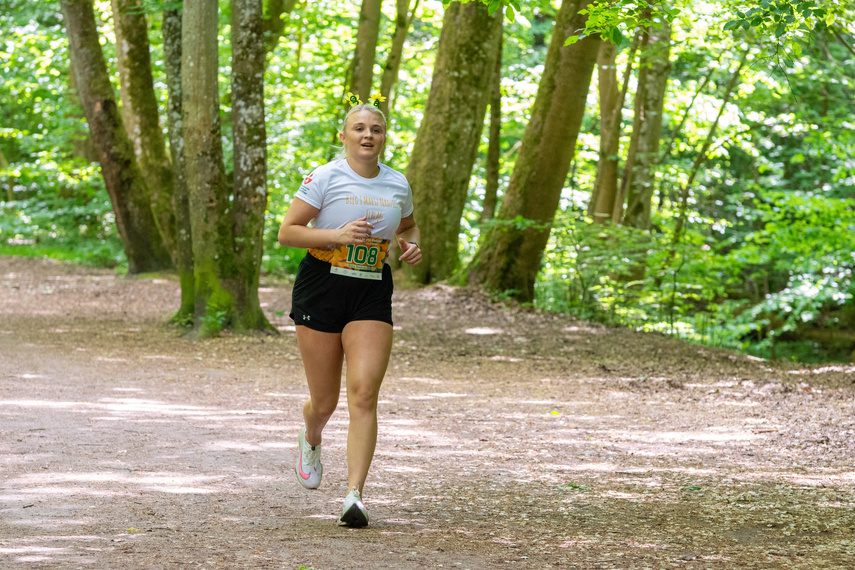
x: 367, y: 345
x: 322, y: 360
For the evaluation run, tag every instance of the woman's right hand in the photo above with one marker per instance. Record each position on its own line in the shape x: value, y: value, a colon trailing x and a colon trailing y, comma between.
x: 355, y: 232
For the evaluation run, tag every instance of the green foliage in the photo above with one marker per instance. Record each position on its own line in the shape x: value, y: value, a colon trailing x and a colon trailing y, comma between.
x: 615, y: 275
x: 615, y: 21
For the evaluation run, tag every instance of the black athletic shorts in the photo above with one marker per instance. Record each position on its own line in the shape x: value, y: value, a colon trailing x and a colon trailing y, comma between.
x: 325, y: 302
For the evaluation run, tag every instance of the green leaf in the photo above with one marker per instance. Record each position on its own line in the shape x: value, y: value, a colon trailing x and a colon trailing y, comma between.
x: 511, y: 15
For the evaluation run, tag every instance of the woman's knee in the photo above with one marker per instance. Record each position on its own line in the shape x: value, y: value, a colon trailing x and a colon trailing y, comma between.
x: 324, y: 408
x: 362, y: 396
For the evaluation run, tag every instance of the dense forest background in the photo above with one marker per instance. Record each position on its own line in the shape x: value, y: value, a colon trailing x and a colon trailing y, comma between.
x: 681, y: 167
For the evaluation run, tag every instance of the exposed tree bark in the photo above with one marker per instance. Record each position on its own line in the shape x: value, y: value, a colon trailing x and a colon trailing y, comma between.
x: 362, y: 67
x: 494, y: 150
x: 171, y: 28
x: 509, y: 255
x: 605, y: 184
x: 403, y: 22
x: 122, y: 177
x: 274, y: 24
x: 250, y: 159
x: 447, y: 142
x: 213, y: 254
x: 82, y: 142
x: 647, y: 129
x: 605, y: 189
x: 141, y: 115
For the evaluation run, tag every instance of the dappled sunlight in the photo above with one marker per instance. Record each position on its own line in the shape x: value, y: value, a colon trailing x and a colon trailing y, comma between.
x: 133, y: 406
x: 35, y: 553
x: 247, y: 447
x: 484, y: 331
x: 72, y: 483
x: 420, y: 380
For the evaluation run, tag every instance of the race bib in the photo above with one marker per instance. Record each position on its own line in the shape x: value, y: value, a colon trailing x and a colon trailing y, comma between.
x: 363, y: 261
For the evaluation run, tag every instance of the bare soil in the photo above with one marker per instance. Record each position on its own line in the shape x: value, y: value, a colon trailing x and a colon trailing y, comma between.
x: 508, y: 439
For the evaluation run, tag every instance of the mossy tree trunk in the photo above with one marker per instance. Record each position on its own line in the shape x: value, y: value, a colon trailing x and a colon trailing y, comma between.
x: 171, y: 29
x: 447, y: 141
x: 226, y: 233
x: 123, y: 179
x: 510, y: 253
x: 250, y: 159
x: 141, y: 115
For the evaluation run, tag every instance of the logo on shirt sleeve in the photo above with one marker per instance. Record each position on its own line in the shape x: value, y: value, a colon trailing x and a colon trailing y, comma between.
x: 308, y: 178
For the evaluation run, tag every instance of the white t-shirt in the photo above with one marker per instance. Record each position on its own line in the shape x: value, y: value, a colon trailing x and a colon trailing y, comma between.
x: 343, y: 196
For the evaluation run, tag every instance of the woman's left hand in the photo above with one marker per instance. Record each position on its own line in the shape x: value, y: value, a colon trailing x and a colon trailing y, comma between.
x: 411, y: 255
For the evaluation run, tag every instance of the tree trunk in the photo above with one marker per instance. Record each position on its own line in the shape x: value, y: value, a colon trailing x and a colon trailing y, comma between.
x: 447, y: 141
x: 180, y: 198
x: 509, y: 256
x: 494, y: 150
x: 605, y: 190
x: 122, y: 177
x: 605, y: 184
x: 403, y: 21
x: 82, y: 142
x: 141, y: 115
x: 366, y: 46
x: 274, y: 24
x: 653, y: 76
x: 250, y: 159
x: 213, y: 243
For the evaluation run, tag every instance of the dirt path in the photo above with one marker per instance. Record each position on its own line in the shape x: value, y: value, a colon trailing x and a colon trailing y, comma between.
x: 508, y: 439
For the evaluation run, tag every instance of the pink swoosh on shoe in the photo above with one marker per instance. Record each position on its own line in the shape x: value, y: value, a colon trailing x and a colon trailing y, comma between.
x: 303, y: 475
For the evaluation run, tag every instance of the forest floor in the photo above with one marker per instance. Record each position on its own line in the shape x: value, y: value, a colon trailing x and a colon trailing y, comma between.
x: 508, y: 439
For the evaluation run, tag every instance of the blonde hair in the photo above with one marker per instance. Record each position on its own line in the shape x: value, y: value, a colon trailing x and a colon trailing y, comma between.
x: 352, y: 111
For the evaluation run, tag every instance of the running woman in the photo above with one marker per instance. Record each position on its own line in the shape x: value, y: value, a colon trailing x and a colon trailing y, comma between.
x: 346, y: 214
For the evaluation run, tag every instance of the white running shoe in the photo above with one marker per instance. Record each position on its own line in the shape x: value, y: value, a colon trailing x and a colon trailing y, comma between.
x: 308, y: 468
x: 353, y: 514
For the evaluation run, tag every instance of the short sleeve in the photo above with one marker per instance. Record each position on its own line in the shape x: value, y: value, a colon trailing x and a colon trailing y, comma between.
x: 314, y: 187
x: 407, y: 205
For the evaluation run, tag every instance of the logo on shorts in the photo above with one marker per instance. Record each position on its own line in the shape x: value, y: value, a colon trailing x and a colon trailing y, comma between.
x: 307, y: 318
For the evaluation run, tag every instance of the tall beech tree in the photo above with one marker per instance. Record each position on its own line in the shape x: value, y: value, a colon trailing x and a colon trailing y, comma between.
x: 141, y: 116
x: 171, y: 29
x: 403, y: 21
x: 508, y: 258
x: 361, y: 72
x: 129, y: 194
x: 277, y: 12
x: 604, y: 193
x: 447, y: 141
x: 638, y: 178
x: 226, y: 229
x: 494, y: 148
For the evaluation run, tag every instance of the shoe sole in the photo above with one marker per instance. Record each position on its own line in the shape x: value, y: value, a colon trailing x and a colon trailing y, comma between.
x: 353, y: 518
